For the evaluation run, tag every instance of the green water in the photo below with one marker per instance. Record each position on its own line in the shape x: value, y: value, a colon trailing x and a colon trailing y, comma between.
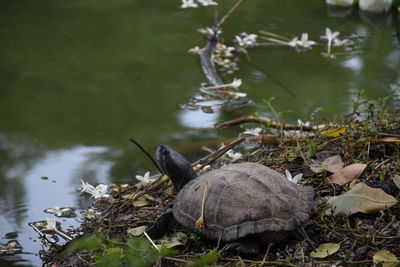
x: 78, y: 78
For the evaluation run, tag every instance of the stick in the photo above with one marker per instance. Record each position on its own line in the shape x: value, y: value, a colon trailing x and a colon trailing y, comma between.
x: 228, y: 14
x: 265, y: 121
x: 151, y: 241
x: 146, y: 153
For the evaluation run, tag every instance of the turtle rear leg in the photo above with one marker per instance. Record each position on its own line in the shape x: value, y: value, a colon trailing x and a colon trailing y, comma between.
x: 162, y: 225
x: 246, y: 245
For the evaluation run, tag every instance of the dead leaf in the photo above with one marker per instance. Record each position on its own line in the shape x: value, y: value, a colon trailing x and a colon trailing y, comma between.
x: 387, y: 258
x: 396, y: 180
x: 347, y: 174
x: 137, y: 231
x: 145, y: 200
x: 335, y: 132
x: 332, y: 164
x: 361, y: 198
x: 386, y: 140
x: 324, y: 250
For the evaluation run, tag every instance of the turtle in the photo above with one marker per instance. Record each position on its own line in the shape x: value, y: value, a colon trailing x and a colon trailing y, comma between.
x: 244, y: 204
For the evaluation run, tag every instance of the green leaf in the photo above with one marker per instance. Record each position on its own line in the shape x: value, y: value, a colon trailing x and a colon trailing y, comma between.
x: 361, y: 198
x: 324, y: 250
x: 207, y: 259
x: 388, y: 259
x: 311, y: 149
x: 89, y: 243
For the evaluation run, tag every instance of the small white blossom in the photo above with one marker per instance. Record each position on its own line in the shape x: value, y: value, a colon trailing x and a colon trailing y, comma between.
x: 208, y: 31
x: 188, y: 4
x: 293, y: 42
x: 330, y: 37
x: 304, y: 42
x: 146, y: 178
x: 295, y: 179
x: 207, y: 3
x: 254, y: 131
x: 245, y: 40
x: 99, y: 191
x: 234, y: 156
x: 86, y: 187
x: 57, y: 211
x: 90, y: 214
x: 195, y: 50
x: 301, y: 123
x: 236, y: 83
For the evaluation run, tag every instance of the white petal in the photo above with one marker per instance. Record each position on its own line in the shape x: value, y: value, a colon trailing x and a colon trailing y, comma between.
x: 288, y: 175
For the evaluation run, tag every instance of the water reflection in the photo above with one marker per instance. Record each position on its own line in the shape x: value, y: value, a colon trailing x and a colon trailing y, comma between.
x: 197, y: 119
x: 27, y: 191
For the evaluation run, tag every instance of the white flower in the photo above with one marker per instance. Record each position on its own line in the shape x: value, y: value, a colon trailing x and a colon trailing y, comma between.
x: 86, y: 187
x: 208, y: 31
x: 207, y: 3
x: 301, y: 123
x: 236, y: 83
x: 330, y: 36
x: 195, y: 50
x: 293, y: 42
x: 188, y: 4
x: 90, y: 214
x: 234, y: 156
x: 99, y: 191
x: 57, y: 211
x: 145, y: 178
x: 304, y: 42
x: 295, y: 179
x: 51, y: 224
x: 245, y: 40
x: 254, y: 131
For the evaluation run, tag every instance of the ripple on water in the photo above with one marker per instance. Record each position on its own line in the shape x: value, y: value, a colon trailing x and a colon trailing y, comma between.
x: 41, y: 46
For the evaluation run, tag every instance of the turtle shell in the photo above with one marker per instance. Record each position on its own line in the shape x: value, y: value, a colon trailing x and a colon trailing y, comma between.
x: 243, y: 199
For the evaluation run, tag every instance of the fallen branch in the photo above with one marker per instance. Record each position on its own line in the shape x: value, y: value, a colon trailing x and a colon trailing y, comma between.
x: 265, y: 122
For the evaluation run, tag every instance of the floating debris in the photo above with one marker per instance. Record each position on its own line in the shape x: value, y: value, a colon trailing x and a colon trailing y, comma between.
x: 61, y: 212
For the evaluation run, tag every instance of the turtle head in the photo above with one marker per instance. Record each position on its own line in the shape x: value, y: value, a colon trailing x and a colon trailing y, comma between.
x: 175, y: 166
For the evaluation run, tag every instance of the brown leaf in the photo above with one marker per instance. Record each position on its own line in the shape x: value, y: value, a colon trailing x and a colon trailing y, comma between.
x: 347, y: 174
x: 361, y: 198
x: 332, y: 164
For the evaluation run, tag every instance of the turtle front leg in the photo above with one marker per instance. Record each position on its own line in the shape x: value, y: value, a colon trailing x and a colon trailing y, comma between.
x: 162, y: 225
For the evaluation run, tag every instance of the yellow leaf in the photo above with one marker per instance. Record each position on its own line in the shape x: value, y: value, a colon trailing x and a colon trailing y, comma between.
x: 335, y: 132
x: 143, y: 201
x: 388, y: 259
x: 324, y: 250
